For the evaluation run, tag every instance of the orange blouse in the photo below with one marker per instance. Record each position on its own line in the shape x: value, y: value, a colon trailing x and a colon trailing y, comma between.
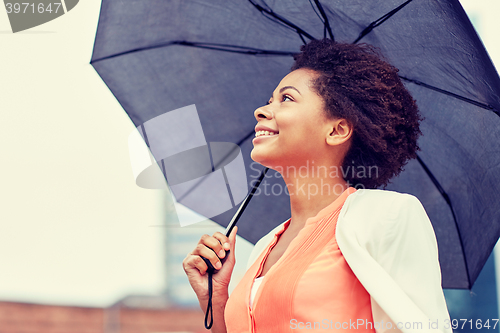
x: 309, y: 287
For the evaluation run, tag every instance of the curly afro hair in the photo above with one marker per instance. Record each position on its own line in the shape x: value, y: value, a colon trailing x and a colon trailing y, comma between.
x: 357, y: 85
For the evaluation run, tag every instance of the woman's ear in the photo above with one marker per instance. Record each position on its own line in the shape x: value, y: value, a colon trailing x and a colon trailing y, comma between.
x: 340, y: 131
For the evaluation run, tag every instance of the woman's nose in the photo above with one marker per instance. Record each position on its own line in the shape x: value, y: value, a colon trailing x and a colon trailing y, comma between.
x: 264, y: 112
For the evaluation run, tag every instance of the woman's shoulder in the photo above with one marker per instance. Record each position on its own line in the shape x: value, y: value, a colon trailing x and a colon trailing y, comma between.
x: 373, y: 215
x: 366, y: 205
x: 385, y: 197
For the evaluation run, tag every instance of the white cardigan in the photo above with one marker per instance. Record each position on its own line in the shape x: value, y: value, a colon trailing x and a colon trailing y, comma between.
x: 388, y: 241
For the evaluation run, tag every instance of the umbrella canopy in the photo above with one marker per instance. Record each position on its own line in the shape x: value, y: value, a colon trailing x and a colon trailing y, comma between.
x: 226, y: 57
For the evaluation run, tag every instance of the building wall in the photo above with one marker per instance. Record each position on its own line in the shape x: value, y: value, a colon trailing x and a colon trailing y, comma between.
x: 18, y: 317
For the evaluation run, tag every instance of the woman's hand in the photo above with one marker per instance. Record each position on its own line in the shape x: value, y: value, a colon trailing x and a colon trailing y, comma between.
x: 214, y: 249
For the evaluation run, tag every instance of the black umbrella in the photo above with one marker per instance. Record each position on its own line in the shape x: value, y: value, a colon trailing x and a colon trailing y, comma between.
x: 226, y: 57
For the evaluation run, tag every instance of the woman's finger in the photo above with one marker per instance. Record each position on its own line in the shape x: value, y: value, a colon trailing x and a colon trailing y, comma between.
x: 214, y: 244
x: 223, y: 240
x: 203, y: 251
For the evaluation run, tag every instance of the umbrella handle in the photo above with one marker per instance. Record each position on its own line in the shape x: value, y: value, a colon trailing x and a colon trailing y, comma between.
x: 211, y: 270
x: 237, y: 216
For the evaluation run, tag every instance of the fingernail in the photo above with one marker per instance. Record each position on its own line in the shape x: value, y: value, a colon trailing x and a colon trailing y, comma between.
x: 227, y: 246
x: 222, y: 254
x: 218, y: 265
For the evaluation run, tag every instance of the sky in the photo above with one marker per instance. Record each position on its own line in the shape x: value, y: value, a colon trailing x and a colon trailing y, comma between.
x: 74, y: 227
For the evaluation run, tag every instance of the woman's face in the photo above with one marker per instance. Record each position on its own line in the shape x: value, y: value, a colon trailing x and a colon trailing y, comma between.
x: 296, y: 122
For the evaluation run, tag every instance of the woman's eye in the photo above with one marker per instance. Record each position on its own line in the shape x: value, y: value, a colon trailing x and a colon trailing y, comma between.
x: 285, y: 97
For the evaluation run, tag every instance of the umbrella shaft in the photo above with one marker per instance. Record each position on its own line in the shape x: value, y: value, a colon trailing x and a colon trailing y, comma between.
x: 244, y: 204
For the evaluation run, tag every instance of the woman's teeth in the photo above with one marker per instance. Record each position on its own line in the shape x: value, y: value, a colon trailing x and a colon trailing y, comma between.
x: 260, y: 133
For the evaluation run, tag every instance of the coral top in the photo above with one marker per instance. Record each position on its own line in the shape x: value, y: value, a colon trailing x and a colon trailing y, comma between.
x: 309, y: 287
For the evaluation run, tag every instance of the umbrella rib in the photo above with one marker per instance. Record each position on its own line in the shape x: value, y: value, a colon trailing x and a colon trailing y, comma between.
x: 465, y: 99
x: 448, y: 202
x: 216, y: 166
x: 380, y: 20
x: 234, y: 48
x: 269, y: 12
x: 209, y: 46
x: 318, y: 15
x: 325, y: 19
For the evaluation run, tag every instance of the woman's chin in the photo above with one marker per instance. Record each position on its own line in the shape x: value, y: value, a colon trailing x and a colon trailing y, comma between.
x: 256, y: 156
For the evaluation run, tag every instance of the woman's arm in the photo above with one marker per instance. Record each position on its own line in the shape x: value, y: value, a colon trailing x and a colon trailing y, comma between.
x: 388, y: 241
x: 409, y: 254
x: 219, y: 300
x: 213, y: 248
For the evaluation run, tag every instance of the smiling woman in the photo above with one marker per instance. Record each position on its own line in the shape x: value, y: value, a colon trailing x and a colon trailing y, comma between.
x: 296, y: 114
x: 349, y: 253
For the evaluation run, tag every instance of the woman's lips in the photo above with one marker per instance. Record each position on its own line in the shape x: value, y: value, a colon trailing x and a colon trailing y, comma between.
x: 264, y: 137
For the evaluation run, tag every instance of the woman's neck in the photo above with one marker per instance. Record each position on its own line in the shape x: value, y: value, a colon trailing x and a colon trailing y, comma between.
x: 311, y: 189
